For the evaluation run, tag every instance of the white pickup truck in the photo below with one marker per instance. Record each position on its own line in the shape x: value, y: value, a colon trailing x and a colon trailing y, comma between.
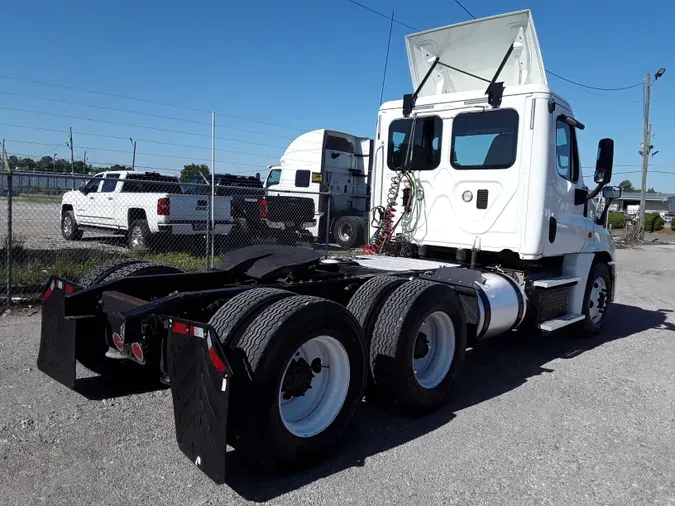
x: 143, y: 205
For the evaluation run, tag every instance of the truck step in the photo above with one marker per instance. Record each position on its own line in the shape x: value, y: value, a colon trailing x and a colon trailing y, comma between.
x: 560, y: 322
x: 557, y: 281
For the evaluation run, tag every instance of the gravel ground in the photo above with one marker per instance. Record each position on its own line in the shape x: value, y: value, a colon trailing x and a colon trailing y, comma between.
x: 535, y: 421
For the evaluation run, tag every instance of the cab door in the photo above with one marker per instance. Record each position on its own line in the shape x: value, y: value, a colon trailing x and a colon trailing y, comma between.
x: 567, y: 225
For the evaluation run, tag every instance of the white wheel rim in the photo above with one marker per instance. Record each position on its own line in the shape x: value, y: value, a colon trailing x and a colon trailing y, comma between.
x: 310, y: 414
x: 67, y: 225
x: 597, y: 302
x: 438, y: 332
x: 345, y: 232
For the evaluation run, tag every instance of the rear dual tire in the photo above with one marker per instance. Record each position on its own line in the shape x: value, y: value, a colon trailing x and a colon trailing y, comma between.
x: 416, y: 332
x: 304, y: 360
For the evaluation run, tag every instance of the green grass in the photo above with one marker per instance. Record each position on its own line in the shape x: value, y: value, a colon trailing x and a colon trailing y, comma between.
x: 37, y: 199
x: 35, y: 267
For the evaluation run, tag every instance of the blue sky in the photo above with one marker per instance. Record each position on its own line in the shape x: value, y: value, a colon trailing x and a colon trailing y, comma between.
x: 299, y: 64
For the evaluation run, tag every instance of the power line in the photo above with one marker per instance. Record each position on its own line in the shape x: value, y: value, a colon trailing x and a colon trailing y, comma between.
x: 163, y: 104
x: 465, y: 9
x: 168, y: 130
x: 176, y: 157
x: 380, y: 14
x: 108, y: 136
x: 474, y: 17
x: 621, y: 88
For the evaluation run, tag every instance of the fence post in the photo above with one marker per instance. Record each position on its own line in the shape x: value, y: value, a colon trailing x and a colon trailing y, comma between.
x: 328, y: 227
x: 9, y: 227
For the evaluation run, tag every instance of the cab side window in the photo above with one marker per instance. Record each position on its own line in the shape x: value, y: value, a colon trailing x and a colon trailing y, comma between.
x: 566, y: 155
x: 92, y: 184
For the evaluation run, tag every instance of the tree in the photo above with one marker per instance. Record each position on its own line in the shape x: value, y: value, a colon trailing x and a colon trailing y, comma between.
x: 27, y: 164
x: 45, y: 164
x: 627, y: 186
x: 193, y: 170
x: 652, y: 190
x: 13, y: 162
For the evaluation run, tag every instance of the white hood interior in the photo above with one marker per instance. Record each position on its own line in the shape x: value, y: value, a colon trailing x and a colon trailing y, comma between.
x: 477, y: 47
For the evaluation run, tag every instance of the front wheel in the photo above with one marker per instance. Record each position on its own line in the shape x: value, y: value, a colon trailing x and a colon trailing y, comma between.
x: 596, y: 300
x: 69, y: 228
x: 348, y: 231
x: 306, y: 363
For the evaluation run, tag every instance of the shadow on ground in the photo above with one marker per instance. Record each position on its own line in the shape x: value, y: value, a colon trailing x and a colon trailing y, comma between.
x: 492, y: 369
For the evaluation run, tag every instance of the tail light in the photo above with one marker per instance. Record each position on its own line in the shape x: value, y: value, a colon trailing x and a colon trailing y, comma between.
x: 262, y: 206
x: 163, y: 207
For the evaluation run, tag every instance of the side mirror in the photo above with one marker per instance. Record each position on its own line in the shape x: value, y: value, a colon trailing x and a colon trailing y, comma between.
x: 605, y: 162
x: 82, y: 188
x: 611, y: 192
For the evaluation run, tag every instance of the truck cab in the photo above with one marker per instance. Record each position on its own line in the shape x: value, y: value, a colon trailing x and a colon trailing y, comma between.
x: 327, y: 161
x: 495, y: 173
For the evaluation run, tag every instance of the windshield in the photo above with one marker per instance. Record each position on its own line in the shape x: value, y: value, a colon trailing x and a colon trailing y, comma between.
x: 484, y: 140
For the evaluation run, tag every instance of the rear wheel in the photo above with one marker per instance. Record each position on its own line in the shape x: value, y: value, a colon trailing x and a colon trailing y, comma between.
x: 138, y: 237
x: 305, y: 358
x: 348, y: 231
x: 237, y: 313
x: 418, y: 346
x: 92, y: 346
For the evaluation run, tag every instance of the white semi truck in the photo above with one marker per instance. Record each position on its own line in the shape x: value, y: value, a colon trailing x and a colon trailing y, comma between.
x: 483, y: 229
x: 337, y: 164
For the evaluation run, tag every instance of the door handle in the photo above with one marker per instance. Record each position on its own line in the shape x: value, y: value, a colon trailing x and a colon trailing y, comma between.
x: 91, y: 198
x: 110, y: 198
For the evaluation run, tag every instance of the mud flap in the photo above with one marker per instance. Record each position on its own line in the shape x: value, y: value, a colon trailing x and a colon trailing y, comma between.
x: 56, y: 357
x: 200, y: 386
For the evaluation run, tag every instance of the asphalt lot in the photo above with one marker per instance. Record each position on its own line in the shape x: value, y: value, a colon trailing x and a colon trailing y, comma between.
x: 535, y: 421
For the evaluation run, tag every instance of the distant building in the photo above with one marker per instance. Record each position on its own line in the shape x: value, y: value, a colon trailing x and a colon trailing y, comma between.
x: 654, y: 202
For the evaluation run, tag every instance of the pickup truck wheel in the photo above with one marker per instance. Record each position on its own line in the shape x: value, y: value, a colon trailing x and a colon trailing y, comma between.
x: 305, y: 381
x: 348, y: 231
x: 69, y: 228
x: 138, y: 238
x: 596, y: 301
x: 418, y: 346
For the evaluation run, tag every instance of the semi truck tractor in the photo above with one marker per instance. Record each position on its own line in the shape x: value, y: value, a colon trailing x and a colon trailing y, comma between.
x: 481, y: 228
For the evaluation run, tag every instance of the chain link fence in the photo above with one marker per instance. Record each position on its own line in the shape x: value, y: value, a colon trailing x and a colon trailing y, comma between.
x: 56, y: 224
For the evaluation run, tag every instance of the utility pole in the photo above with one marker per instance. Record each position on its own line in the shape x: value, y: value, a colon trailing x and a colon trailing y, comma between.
x: 54, y: 164
x: 646, y: 148
x: 133, y: 158
x: 645, y: 156
x: 72, y: 156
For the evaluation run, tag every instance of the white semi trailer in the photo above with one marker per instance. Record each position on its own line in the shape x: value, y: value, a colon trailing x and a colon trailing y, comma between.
x: 483, y: 229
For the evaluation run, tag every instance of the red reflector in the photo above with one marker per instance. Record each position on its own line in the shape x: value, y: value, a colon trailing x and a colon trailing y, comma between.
x: 179, y: 328
x: 137, y: 351
x: 262, y: 206
x: 69, y: 288
x: 47, y: 293
x: 218, y: 364
x: 118, y: 341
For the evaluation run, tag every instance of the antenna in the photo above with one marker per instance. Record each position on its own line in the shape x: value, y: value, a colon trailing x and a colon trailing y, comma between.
x: 386, y: 58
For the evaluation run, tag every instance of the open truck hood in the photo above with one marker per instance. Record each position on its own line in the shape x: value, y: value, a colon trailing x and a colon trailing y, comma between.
x: 477, y: 47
